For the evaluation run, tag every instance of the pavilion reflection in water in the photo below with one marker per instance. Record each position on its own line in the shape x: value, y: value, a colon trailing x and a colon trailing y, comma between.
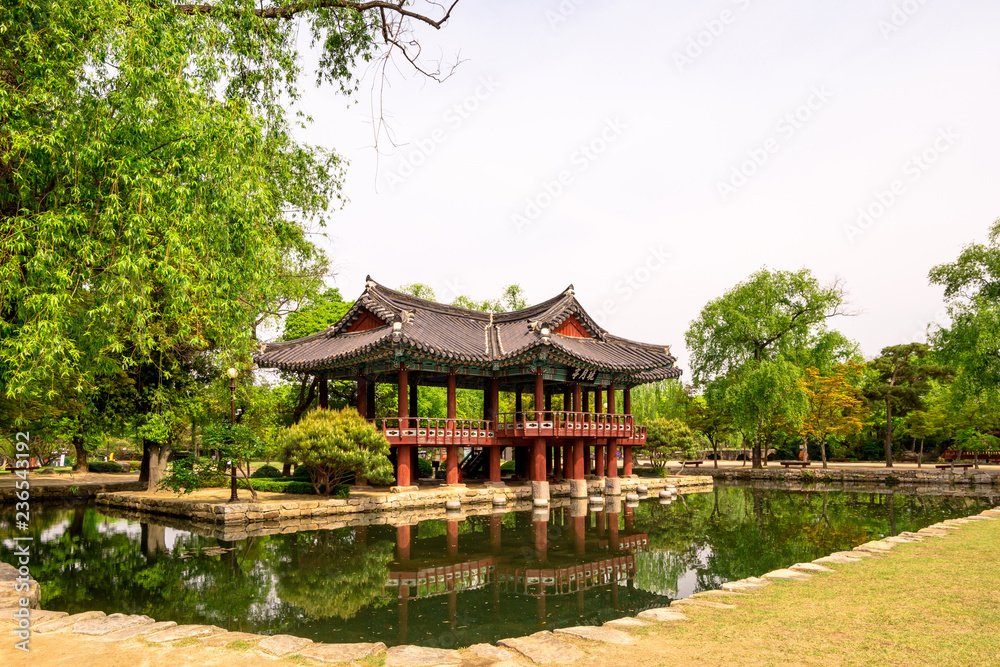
x: 566, y: 552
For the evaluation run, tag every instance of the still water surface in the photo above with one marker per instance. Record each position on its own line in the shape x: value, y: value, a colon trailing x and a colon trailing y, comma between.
x: 455, y: 583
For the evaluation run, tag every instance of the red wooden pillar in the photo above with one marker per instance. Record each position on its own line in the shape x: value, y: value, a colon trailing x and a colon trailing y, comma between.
x: 493, y: 396
x: 579, y: 462
x: 568, y: 464
x: 451, y: 463
x: 414, y: 413
x: 612, y: 442
x: 599, y: 464
x: 452, y: 539
x: 362, y: 392
x: 404, y: 460
x: 403, y: 544
x: 613, y: 531
x: 324, y: 393
x: 579, y: 535
x: 627, y: 449
x: 539, y: 395
x: 538, y: 460
x: 577, y: 397
x: 541, y: 541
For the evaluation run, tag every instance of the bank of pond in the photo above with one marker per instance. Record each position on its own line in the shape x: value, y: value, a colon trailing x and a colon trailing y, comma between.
x: 457, y: 581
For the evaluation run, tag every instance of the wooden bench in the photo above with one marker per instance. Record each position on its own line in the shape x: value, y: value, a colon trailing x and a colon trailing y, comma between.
x: 944, y: 466
x: 685, y: 464
x: 801, y: 464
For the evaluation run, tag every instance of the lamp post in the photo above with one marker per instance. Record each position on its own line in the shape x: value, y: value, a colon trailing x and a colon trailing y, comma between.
x: 232, y: 373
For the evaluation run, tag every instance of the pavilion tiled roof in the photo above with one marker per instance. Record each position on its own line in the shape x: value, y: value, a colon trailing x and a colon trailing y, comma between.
x: 468, y: 336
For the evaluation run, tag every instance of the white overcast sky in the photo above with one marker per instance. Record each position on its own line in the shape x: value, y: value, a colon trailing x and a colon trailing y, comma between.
x: 887, y: 81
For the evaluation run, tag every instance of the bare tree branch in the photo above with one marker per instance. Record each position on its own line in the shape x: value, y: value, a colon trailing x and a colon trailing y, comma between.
x: 290, y: 10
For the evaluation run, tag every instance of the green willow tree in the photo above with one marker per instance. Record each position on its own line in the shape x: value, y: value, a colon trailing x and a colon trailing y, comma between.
x: 155, y: 206
x: 744, y: 343
x: 971, y: 343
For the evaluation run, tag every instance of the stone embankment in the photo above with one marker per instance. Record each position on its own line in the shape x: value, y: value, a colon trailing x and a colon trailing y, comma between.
x: 165, y: 642
x: 50, y: 488
x: 315, y: 508
x: 816, y: 473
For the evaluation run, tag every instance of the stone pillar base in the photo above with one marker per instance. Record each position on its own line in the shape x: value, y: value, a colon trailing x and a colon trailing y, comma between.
x: 613, y: 486
x: 540, y: 490
x: 577, y: 488
x: 402, y: 489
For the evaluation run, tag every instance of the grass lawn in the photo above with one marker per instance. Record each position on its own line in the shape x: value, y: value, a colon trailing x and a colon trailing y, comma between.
x: 933, y: 603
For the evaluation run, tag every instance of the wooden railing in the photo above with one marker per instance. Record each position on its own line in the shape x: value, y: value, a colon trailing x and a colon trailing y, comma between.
x: 558, y: 423
x: 992, y: 455
x: 433, y: 431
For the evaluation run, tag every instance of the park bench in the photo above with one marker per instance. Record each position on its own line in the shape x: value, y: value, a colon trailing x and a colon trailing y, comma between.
x: 944, y: 466
x: 685, y: 464
x: 801, y: 464
x: 15, y: 469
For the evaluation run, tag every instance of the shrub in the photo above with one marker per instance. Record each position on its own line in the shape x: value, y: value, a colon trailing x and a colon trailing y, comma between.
x: 508, y: 466
x: 104, y: 466
x: 337, y: 445
x: 292, y: 486
x: 669, y: 438
x: 301, y: 473
x: 424, y: 468
x: 650, y: 472
x: 266, y: 472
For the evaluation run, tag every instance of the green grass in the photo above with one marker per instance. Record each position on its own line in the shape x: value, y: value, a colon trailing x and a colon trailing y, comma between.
x: 933, y: 603
x: 186, y: 641
x: 239, y: 645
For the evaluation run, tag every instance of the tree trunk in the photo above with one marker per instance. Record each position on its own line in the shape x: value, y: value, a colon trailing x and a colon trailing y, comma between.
x: 888, y: 432
x: 756, y: 452
x: 81, y: 453
x: 154, y: 463
x: 920, y: 456
x: 958, y: 455
x: 822, y: 450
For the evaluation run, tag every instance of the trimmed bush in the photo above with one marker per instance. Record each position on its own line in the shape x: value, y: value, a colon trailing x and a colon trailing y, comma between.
x: 301, y: 474
x: 293, y: 486
x: 508, y: 467
x: 104, y: 466
x: 266, y: 472
x: 337, y: 446
x: 424, y: 468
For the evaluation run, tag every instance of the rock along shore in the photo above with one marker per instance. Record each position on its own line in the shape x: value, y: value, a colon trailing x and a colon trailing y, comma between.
x: 276, y: 509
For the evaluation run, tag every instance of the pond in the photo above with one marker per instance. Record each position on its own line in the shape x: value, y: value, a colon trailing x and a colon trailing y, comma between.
x: 459, y: 582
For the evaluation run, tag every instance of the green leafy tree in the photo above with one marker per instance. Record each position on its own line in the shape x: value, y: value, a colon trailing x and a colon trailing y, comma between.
x: 971, y: 343
x: 903, y: 375
x: 711, y: 418
x: 741, y: 342
x: 236, y: 444
x: 338, y: 445
x: 836, y: 407
x: 155, y: 206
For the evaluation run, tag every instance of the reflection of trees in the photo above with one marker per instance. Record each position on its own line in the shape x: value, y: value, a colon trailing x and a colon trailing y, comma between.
x: 329, y: 574
x: 737, y: 532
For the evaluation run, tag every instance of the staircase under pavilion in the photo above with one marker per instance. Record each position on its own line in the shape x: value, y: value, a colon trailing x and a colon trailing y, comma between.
x: 553, y: 351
